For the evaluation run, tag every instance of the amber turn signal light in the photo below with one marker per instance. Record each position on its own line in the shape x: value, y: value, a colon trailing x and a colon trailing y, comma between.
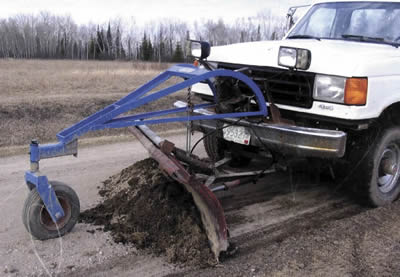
x: 356, y: 91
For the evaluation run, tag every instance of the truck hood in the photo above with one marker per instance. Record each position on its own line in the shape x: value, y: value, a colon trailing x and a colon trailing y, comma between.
x: 334, y: 57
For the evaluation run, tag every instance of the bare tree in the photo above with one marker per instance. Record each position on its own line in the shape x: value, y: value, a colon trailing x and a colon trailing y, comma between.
x: 53, y: 37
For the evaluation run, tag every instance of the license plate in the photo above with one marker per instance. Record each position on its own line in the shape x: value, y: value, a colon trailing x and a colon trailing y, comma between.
x: 237, y: 134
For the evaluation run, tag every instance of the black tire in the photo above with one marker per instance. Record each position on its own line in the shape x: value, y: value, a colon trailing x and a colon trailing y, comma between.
x: 37, y: 220
x: 215, y: 148
x: 376, y: 179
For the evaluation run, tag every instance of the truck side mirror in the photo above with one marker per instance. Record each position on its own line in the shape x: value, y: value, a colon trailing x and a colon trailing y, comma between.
x: 291, y: 15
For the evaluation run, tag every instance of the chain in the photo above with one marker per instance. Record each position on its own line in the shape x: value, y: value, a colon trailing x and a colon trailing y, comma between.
x: 189, y: 123
x: 190, y: 107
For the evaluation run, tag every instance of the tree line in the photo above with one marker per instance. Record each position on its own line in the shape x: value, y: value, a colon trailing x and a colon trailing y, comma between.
x: 48, y: 36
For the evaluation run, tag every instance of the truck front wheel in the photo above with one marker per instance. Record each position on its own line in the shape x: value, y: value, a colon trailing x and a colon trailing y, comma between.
x: 379, y: 171
x: 216, y: 147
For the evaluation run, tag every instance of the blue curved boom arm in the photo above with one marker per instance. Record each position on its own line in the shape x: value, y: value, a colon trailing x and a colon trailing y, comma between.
x: 110, y: 117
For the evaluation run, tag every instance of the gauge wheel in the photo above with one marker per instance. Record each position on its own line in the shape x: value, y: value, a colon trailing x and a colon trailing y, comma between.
x: 380, y: 170
x: 37, y: 220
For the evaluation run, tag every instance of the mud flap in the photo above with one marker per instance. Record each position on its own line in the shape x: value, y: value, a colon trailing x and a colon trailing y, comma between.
x: 212, y: 214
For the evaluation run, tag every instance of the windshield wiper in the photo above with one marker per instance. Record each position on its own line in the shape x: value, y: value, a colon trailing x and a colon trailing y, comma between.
x: 370, y: 39
x: 303, y: 36
x: 363, y: 38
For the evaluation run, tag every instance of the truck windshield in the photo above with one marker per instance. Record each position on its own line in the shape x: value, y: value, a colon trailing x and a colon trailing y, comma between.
x: 377, y: 22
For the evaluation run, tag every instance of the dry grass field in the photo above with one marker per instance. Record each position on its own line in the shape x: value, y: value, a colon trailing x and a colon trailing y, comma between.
x: 38, y: 98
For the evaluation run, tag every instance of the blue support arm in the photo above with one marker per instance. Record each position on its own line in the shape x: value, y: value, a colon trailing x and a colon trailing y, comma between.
x: 109, y: 117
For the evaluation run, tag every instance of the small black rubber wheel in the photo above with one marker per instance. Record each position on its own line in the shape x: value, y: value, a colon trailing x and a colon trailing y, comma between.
x: 37, y: 220
x: 215, y: 148
x: 377, y: 178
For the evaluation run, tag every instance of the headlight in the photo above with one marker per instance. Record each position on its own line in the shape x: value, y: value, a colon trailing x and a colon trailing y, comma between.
x: 329, y: 88
x: 294, y: 57
x: 350, y: 91
x: 200, y: 49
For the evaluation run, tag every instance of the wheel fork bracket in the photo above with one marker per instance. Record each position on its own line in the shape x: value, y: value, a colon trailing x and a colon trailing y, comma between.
x: 46, y: 193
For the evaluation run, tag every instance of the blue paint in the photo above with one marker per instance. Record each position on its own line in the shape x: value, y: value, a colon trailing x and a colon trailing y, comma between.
x: 46, y: 193
x: 109, y: 118
x: 139, y: 97
x: 34, y: 152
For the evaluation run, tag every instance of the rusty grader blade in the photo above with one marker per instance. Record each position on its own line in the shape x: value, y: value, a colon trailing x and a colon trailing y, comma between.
x: 212, y: 214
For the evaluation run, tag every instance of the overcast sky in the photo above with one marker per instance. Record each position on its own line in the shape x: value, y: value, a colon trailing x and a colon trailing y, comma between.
x: 100, y: 11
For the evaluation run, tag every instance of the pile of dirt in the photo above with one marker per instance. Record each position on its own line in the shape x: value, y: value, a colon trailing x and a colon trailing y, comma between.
x: 141, y: 206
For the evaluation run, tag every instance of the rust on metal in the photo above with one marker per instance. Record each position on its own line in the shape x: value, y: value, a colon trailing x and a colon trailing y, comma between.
x: 167, y: 147
x: 212, y: 214
x: 274, y: 110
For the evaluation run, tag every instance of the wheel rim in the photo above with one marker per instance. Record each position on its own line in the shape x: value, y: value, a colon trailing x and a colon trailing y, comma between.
x: 47, y: 222
x: 388, y: 170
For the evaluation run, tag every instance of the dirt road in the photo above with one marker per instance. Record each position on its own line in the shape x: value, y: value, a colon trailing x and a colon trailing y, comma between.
x: 21, y: 256
x: 303, y: 228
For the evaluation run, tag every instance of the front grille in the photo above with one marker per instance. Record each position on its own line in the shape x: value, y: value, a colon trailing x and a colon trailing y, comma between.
x: 286, y: 87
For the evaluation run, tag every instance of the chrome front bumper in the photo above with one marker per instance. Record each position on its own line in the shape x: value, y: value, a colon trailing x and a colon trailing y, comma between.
x: 286, y: 139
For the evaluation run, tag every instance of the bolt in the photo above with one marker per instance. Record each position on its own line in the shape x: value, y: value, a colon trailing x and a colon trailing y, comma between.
x: 58, y: 215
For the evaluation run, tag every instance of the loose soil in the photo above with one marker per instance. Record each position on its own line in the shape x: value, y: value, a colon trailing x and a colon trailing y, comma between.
x: 309, y: 229
x: 305, y: 228
x: 141, y: 206
x: 324, y: 232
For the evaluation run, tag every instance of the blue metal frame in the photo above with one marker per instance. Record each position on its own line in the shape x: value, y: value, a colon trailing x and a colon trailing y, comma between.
x: 47, y: 194
x: 109, y: 118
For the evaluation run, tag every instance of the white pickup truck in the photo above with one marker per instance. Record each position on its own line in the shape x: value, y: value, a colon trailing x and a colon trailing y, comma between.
x: 333, y: 88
